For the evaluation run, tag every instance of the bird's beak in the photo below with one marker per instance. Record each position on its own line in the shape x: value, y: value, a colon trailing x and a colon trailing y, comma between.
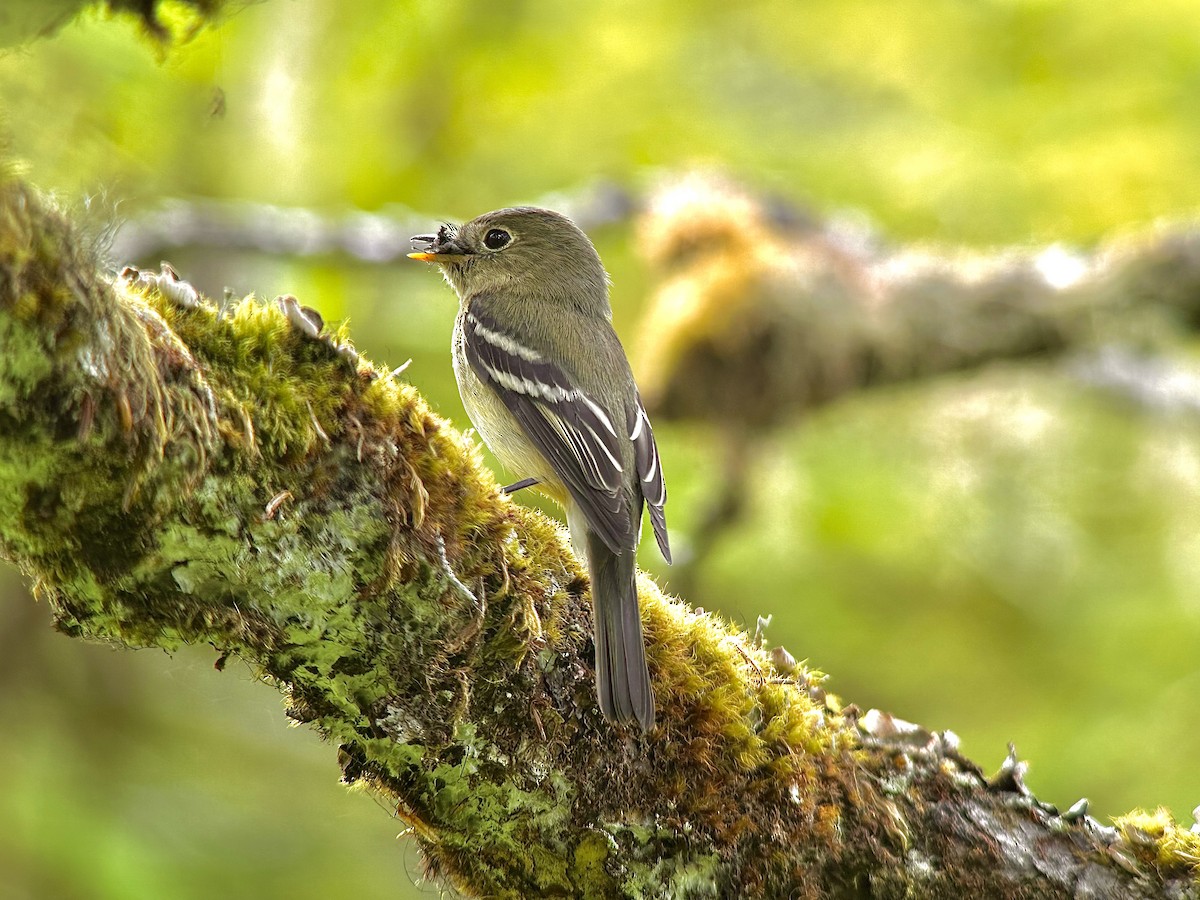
x: 438, y: 250
x: 449, y: 254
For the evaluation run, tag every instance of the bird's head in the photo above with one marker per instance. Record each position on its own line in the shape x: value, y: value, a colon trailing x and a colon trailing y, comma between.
x: 528, y: 252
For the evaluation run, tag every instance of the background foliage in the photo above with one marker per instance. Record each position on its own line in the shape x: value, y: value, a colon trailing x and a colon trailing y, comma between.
x: 1001, y: 553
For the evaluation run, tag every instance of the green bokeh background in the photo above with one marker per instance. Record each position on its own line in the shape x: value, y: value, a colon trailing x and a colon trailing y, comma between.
x: 1003, y: 553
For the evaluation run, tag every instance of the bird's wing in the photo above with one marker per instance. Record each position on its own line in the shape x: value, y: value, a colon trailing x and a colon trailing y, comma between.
x: 650, y: 474
x: 569, y: 428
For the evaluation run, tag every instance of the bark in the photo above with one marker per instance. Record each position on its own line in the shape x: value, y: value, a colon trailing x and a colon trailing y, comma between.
x: 174, y: 473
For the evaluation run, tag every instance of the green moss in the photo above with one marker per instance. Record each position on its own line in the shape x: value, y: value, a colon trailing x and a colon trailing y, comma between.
x: 23, y: 364
x: 588, y: 864
x: 1156, y: 837
x: 748, y: 718
x: 285, y: 388
x: 681, y: 876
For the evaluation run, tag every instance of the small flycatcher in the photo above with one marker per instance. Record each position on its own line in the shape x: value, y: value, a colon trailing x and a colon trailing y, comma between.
x: 545, y: 380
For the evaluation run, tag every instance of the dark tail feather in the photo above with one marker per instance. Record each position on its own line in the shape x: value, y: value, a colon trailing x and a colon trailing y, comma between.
x: 658, y: 519
x: 622, y: 680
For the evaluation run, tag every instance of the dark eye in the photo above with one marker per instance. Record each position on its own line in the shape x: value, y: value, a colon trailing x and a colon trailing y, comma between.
x: 496, y: 238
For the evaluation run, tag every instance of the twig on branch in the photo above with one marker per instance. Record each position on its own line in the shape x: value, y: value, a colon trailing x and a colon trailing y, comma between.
x: 174, y: 473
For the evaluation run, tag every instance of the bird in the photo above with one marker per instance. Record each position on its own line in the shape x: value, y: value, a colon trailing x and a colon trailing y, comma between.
x: 547, y: 384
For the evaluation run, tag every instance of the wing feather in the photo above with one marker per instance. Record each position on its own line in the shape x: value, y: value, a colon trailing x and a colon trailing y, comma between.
x: 570, y: 429
x: 650, y: 474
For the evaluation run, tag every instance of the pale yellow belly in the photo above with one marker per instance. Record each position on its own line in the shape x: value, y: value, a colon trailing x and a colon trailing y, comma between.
x: 500, y: 431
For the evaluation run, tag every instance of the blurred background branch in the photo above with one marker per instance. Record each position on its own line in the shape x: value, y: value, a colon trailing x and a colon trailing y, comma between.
x: 759, y: 317
x: 369, y: 237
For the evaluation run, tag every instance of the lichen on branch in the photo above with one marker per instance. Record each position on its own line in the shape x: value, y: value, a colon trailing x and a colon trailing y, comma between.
x: 174, y: 472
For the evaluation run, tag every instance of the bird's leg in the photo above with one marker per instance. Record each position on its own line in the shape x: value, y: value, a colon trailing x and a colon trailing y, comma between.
x: 519, y: 485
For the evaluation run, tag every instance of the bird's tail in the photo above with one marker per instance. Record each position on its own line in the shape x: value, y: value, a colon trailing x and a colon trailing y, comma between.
x: 622, y: 680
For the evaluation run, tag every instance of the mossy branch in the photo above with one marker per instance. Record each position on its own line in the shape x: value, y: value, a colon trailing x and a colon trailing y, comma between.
x: 172, y: 473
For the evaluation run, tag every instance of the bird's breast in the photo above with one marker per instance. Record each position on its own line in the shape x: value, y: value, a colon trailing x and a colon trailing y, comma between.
x: 499, y: 429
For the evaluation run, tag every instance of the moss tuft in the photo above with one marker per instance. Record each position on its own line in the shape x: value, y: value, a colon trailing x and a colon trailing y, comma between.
x: 1156, y: 837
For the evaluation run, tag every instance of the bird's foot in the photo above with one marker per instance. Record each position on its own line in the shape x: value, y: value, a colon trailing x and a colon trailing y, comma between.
x: 519, y: 485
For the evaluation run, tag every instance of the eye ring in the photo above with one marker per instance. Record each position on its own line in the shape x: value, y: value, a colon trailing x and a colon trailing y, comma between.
x: 496, y: 239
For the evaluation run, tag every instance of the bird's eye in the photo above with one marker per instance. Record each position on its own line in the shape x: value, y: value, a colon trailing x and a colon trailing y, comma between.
x: 496, y: 238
